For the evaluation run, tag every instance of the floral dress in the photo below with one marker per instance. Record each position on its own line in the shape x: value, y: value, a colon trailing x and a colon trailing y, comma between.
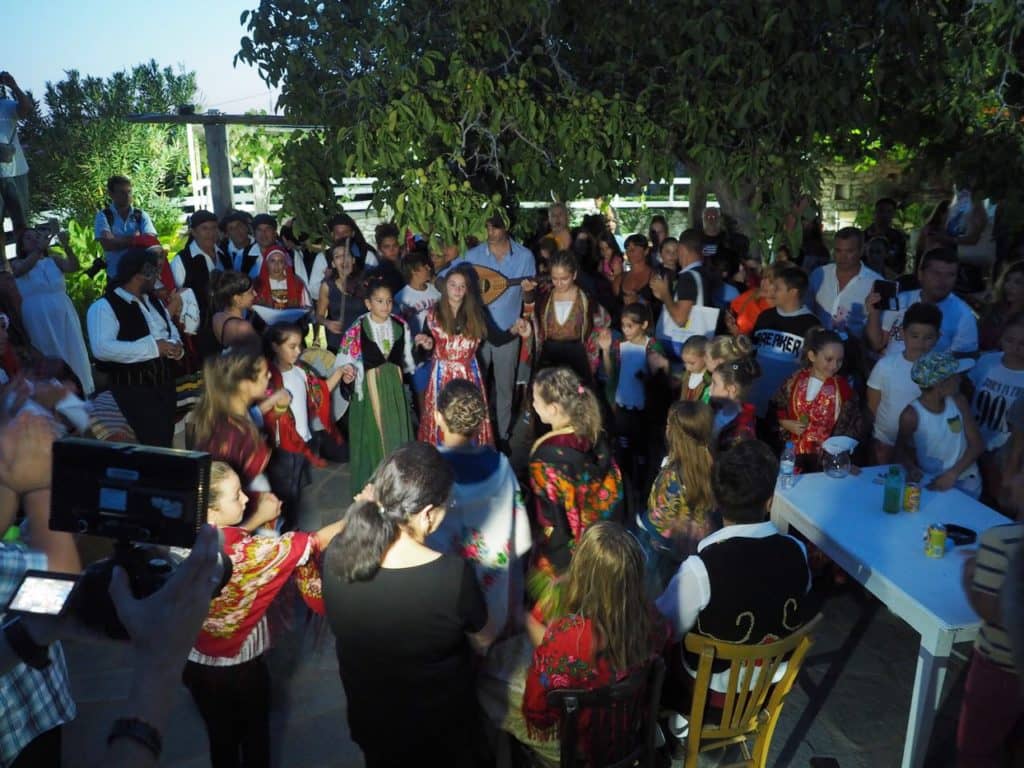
x: 574, y: 484
x: 454, y: 358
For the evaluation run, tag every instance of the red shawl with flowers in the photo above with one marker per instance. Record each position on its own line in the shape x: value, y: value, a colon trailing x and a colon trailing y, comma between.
x: 296, y: 291
x: 280, y: 425
x: 826, y: 415
x: 261, y: 567
x: 240, y: 448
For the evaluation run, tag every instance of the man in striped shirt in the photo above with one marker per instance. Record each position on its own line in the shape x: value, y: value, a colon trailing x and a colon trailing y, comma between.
x: 992, y: 710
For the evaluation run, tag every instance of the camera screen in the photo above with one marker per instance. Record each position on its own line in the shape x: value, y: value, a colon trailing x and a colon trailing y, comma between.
x: 41, y: 594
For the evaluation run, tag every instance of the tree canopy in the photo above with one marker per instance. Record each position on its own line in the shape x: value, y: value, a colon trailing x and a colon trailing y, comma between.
x: 457, y: 107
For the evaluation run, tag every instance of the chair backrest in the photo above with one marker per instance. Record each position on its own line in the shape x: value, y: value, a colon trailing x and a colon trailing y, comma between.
x: 620, y: 721
x: 753, y: 702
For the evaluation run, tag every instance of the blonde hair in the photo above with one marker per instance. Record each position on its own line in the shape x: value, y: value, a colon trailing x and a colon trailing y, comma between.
x: 222, y: 376
x: 219, y: 472
x: 607, y: 564
x: 730, y: 348
x: 696, y: 345
x: 688, y: 434
x: 562, y: 387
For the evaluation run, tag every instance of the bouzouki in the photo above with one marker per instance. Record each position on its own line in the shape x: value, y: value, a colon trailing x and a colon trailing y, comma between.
x: 493, y: 284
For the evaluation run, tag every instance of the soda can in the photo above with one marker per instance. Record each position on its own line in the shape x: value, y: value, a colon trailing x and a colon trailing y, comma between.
x: 912, y: 497
x: 935, y: 540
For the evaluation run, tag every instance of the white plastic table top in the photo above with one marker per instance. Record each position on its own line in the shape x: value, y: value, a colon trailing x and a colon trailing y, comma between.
x: 885, y: 552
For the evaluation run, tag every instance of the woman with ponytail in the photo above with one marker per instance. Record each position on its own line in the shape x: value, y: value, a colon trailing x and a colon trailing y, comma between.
x: 574, y: 481
x: 405, y: 617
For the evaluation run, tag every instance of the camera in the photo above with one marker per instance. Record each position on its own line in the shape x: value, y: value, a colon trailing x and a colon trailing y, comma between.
x: 148, y: 500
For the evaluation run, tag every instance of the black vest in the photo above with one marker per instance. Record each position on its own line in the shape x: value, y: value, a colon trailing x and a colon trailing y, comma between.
x: 197, y: 277
x: 132, y: 326
x: 249, y: 256
x: 758, y: 591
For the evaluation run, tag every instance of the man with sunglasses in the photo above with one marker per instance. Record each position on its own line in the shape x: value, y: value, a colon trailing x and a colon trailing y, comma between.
x: 136, y: 343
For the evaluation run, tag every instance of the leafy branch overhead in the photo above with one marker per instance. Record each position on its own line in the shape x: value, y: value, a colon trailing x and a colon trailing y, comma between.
x: 458, y: 106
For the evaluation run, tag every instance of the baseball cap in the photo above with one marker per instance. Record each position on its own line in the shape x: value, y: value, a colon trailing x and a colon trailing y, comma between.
x: 936, y: 367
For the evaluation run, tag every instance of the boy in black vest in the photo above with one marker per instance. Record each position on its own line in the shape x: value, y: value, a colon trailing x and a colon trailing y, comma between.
x: 136, y: 343
x: 747, y: 583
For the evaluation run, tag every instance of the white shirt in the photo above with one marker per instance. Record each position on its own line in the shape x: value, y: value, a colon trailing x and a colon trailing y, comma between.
x: 996, y: 389
x: 9, y: 133
x: 316, y: 275
x: 841, y: 310
x: 103, y: 327
x: 237, y: 254
x: 958, y: 332
x: 413, y: 305
x: 689, y: 591
x: 178, y: 264
x: 294, y: 380
x: 891, y: 377
x: 121, y: 228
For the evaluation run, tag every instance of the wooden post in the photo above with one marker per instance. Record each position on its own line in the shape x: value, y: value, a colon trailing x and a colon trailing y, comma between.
x: 220, y: 167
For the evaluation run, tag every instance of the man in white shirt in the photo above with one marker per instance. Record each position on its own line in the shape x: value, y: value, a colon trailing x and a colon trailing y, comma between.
x: 116, y: 226
x: 838, y: 290
x: 937, y: 275
x: 192, y: 269
x: 240, y: 251
x: 136, y: 343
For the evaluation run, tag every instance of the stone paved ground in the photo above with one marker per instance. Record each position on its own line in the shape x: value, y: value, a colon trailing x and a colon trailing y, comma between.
x: 860, y: 723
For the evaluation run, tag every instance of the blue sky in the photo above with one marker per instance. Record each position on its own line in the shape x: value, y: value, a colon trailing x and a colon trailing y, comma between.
x: 43, y: 38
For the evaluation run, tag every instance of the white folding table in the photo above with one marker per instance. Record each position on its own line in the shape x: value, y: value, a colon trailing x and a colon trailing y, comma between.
x: 885, y: 553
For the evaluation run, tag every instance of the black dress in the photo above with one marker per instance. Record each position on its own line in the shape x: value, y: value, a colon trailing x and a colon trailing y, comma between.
x: 405, y: 661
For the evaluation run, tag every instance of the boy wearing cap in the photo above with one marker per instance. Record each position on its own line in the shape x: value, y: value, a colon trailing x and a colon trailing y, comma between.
x: 938, y: 436
x: 191, y: 269
x: 241, y: 252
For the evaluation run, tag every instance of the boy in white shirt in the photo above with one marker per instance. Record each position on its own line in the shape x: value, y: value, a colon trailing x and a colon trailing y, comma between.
x: 413, y: 302
x: 890, y: 388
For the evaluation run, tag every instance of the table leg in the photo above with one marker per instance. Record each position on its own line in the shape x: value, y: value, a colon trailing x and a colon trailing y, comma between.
x: 932, y: 660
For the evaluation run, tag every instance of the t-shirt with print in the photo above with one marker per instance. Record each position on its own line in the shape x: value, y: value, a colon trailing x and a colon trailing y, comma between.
x: 891, y: 377
x: 996, y: 389
x: 413, y: 305
x: 778, y: 342
x: 995, y: 548
x: 958, y: 332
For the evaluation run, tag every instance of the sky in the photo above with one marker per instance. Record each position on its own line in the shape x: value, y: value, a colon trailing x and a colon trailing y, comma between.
x: 43, y: 38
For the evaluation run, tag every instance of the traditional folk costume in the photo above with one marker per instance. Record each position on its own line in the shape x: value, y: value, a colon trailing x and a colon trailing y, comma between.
x: 734, y: 423
x: 574, y: 484
x: 244, y: 450
x: 697, y: 386
x: 289, y: 293
x: 379, y: 419
x: 566, y: 333
x: 226, y: 673
x: 827, y: 408
x: 454, y: 358
x: 281, y: 425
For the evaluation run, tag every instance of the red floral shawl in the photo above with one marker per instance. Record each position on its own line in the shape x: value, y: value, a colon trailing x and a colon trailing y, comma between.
x: 281, y: 426
x: 820, y: 414
x: 261, y: 567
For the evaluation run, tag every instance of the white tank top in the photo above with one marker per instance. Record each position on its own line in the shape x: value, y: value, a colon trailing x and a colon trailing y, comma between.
x: 939, y: 440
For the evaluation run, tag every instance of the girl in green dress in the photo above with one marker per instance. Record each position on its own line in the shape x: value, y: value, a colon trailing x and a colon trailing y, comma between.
x: 374, y: 354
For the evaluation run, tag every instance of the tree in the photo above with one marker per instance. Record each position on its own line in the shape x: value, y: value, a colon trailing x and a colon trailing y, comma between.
x: 458, y: 106
x: 258, y: 152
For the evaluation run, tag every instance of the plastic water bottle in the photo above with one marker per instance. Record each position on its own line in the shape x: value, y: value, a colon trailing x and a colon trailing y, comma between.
x: 787, y: 465
x: 892, y: 496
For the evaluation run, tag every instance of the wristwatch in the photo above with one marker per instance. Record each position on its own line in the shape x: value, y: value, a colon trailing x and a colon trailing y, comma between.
x: 25, y: 648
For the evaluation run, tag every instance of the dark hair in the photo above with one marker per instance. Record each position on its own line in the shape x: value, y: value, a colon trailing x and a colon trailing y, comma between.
x: 923, y: 313
x: 691, y: 240
x: 224, y: 286
x: 639, y: 313
x: 657, y: 219
x: 566, y: 260
x: 944, y: 255
x: 637, y: 239
x: 275, y: 335
x: 743, y: 481
x: 374, y: 284
x: 794, y: 277
x: 413, y: 261
x: 469, y: 320
x: 386, y: 230
x: 413, y: 477
x: 851, y: 233
x: 117, y: 181
x: 739, y: 373
x: 886, y: 201
x: 462, y: 405
x: 608, y: 239
x: 816, y: 339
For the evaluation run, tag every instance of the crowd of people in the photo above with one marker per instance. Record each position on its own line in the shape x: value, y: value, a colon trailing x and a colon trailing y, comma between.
x: 562, y: 453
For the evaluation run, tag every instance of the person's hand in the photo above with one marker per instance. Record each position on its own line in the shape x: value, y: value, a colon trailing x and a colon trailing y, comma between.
x: 528, y: 285
x: 174, y: 303
x: 49, y: 393
x: 522, y: 328
x: 871, y: 302
x: 604, y: 339
x: 616, y: 267
x: 659, y: 287
x: 163, y: 626
x: 268, y: 509
x: 348, y: 374
x: 914, y: 474
x: 63, y: 237
x: 793, y: 426
x: 424, y: 341
x: 943, y: 482
x: 657, y: 362
x: 26, y: 453
x: 282, y: 398
x: 367, y: 494
x: 169, y: 349
x: 334, y: 326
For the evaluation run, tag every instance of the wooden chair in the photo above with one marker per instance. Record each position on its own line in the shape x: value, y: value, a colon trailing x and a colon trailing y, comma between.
x: 753, y: 704
x: 623, y: 720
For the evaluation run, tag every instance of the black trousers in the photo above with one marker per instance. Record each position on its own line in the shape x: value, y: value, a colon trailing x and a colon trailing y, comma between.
x: 150, y: 411
x: 235, y: 705
x: 42, y: 752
